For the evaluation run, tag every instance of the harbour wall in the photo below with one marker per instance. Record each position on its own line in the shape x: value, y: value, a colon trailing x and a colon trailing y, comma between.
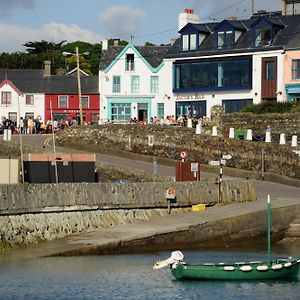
x: 30, y: 213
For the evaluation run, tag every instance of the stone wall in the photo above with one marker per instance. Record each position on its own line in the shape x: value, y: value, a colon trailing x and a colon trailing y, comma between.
x: 30, y: 213
x: 169, y: 141
x: 288, y: 123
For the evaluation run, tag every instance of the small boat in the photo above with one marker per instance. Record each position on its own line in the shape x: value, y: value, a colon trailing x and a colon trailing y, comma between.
x: 254, y: 270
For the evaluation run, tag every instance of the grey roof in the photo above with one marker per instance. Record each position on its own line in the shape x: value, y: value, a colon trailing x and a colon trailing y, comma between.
x: 154, y: 55
x: 34, y: 81
x: 287, y: 37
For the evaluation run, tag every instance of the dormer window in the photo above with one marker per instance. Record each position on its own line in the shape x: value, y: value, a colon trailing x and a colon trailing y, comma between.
x: 224, y: 39
x: 262, y: 37
x: 192, y: 36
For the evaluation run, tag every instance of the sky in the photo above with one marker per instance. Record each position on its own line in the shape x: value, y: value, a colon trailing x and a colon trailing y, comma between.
x: 154, y: 21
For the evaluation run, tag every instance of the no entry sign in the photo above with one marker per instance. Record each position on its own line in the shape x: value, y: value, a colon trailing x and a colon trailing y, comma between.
x: 183, y: 154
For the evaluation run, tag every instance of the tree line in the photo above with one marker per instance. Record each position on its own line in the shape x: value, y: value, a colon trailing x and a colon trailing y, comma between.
x: 38, y: 51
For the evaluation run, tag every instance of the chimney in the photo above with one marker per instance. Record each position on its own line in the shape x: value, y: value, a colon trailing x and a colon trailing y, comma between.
x: 116, y: 42
x: 105, y: 44
x: 232, y: 18
x: 47, y: 68
x: 188, y: 16
x: 283, y: 8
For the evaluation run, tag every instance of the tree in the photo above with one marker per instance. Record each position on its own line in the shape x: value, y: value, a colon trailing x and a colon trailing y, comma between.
x: 42, y: 46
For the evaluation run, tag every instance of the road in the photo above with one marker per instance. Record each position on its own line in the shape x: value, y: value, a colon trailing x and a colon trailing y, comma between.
x: 263, y: 188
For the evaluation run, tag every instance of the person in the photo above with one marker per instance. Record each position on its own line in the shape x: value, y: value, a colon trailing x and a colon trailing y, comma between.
x: 21, y: 125
x: 269, y: 128
x: 30, y: 124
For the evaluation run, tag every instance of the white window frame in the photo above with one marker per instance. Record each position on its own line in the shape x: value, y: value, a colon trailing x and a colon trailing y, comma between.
x: 154, y: 84
x: 193, y: 41
x: 116, y: 87
x: 6, y: 98
x: 185, y: 42
x: 59, y: 101
x: 29, y: 99
x: 87, y: 99
x: 135, y: 84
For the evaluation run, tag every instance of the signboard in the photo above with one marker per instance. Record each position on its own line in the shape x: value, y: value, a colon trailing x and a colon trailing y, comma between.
x: 214, y: 163
x: 150, y: 140
x: 170, y: 193
x: 183, y: 154
x: 194, y: 167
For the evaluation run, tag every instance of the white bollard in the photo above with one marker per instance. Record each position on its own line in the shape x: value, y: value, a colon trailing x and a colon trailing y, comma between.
x: 294, y: 141
x: 189, y: 123
x: 249, y: 135
x: 282, y: 139
x: 268, y: 137
x: 199, y: 128
x: 231, y: 133
x: 214, y: 131
x: 5, y: 135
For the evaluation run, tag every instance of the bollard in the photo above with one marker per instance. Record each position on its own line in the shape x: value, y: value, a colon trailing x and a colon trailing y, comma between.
x: 231, y: 133
x: 282, y: 139
x: 189, y: 123
x: 294, y: 140
x: 199, y: 128
x: 249, y: 135
x: 268, y: 137
x: 214, y: 131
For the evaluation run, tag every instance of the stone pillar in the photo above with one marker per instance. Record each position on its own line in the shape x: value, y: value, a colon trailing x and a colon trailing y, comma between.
x: 294, y: 141
x: 282, y: 139
x: 214, y: 131
x: 268, y: 137
x: 199, y: 128
x: 231, y: 133
x: 249, y: 135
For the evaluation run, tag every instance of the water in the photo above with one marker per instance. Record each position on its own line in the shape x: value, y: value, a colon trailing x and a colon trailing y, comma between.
x: 129, y: 277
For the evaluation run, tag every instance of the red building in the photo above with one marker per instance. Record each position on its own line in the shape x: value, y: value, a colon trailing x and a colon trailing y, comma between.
x: 61, y: 95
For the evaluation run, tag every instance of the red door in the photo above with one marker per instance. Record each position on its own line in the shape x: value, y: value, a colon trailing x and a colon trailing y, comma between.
x: 269, y: 78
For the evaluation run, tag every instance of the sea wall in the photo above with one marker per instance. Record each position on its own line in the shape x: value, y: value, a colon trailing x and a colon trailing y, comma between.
x: 33, y: 212
x: 127, y: 140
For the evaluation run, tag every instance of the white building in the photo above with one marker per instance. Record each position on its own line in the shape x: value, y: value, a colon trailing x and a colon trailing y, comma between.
x: 134, y: 82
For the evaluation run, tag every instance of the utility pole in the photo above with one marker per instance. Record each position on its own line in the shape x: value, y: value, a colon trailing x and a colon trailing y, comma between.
x: 79, y: 86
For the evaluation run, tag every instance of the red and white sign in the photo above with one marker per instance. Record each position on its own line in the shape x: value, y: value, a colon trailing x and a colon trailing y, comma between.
x: 183, y: 154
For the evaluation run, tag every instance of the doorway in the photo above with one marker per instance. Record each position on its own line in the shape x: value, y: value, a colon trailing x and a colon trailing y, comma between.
x: 143, y: 112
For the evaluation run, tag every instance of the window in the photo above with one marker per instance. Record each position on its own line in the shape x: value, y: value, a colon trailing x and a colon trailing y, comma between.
x: 270, y: 70
x: 262, y: 36
x: 193, y: 42
x: 237, y: 35
x: 6, y: 98
x: 225, y: 39
x: 29, y: 115
x: 154, y: 84
x: 29, y: 100
x: 201, y: 38
x: 116, y: 84
x: 296, y: 69
x: 85, y: 101
x: 63, y: 101
x: 185, y: 42
x: 293, y: 8
x: 235, y: 105
x: 215, y: 74
x: 13, y: 116
x: 129, y: 62
x: 120, y: 112
x: 160, y: 110
x: 135, y: 84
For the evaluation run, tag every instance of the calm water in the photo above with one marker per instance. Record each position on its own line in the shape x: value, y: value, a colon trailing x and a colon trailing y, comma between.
x: 130, y: 277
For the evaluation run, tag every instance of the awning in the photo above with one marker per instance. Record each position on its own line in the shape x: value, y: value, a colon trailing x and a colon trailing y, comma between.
x: 294, y: 89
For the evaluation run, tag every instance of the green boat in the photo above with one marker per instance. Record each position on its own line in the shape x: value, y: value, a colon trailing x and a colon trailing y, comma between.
x: 283, y: 268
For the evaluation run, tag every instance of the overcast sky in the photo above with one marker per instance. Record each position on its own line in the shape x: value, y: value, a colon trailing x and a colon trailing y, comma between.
x: 155, y: 21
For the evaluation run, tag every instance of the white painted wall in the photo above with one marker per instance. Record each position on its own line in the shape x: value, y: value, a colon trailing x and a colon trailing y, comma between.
x: 145, y: 73
x: 37, y: 109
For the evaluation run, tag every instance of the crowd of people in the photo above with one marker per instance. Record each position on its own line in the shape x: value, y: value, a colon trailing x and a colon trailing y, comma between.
x: 32, y: 125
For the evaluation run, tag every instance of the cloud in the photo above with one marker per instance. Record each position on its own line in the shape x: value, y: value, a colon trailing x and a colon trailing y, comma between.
x: 121, y: 21
x: 15, y: 36
x: 7, y: 6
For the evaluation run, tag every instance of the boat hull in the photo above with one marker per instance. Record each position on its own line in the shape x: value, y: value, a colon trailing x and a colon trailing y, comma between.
x: 235, y: 272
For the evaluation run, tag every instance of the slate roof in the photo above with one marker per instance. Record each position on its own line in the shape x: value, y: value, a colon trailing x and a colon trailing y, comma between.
x: 34, y: 81
x: 287, y: 37
x: 154, y: 55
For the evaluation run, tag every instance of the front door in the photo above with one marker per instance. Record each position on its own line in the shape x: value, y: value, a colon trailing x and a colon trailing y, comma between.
x: 269, y: 78
x: 143, y: 112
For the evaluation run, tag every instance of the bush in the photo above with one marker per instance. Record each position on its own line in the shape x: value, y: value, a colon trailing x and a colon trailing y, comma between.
x: 273, y: 107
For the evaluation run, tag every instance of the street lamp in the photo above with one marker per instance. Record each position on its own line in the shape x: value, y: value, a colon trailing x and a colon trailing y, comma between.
x: 78, y: 79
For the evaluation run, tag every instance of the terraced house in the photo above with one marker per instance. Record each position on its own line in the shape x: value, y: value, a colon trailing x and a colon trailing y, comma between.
x: 235, y: 62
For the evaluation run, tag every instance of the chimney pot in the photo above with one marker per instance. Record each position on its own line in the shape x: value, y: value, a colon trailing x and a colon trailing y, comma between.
x: 47, y: 68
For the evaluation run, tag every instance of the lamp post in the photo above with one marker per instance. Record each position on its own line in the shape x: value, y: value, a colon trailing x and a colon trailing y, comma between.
x: 78, y: 79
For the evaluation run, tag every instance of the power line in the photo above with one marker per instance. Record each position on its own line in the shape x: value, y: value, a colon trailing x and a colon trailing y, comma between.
x: 176, y: 28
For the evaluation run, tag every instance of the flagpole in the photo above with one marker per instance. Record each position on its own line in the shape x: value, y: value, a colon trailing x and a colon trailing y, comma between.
x: 21, y: 141
x: 269, y: 230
